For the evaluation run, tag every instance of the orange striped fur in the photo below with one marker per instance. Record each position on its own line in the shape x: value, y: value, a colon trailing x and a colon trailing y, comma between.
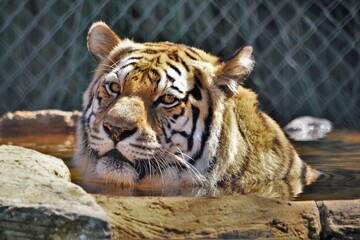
x: 166, y: 114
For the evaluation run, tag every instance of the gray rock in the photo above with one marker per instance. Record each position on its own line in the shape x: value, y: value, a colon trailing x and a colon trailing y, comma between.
x: 340, y: 219
x: 37, y: 200
x: 308, y: 128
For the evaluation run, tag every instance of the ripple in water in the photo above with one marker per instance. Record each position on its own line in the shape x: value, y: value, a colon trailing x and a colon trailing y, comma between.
x: 337, y: 184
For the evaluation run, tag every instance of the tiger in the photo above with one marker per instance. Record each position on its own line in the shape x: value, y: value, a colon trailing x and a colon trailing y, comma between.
x: 167, y: 114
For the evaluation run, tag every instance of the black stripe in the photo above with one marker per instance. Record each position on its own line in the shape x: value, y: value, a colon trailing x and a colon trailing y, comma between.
x: 195, y: 92
x: 197, y: 80
x: 185, y: 65
x: 182, y: 133
x: 167, y: 138
x: 187, y: 120
x: 155, y: 74
x: 303, y: 174
x: 177, y: 89
x: 126, y: 76
x: 174, y: 68
x: 189, y: 56
x: 129, y: 64
x: 88, y: 106
x: 148, y: 76
x: 205, y: 136
x: 88, y: 119
x: 168, y: 125
x: 292, y: 160
x: 141, y: 147
x: 174, y: 56
x: 169, y: 77
x: 134, y: 57
x: 99, y: 98
x: 176, y: 116
x: 195, y: 52
x: 158, y: 61
x: 195, y: 113
x: 157, y: 80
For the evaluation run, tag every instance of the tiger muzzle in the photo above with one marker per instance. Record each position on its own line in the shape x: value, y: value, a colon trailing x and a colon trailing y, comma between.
x: 125, y: 118
x: 118, y: 134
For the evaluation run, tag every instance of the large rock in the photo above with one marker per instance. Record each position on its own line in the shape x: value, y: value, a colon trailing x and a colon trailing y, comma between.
x: 42, y: 121
x: 38, y: 201
x: 232, y: 217
x: 340, y: 219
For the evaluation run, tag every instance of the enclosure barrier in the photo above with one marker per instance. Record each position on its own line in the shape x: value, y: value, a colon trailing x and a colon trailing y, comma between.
x: 307, y: 52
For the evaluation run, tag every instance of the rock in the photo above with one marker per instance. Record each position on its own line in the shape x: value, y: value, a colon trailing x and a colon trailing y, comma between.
x: 35, y: 122
x: 38, y: 201
x: 340, y: 219
x: 308, y: 128
x: 240, y: 217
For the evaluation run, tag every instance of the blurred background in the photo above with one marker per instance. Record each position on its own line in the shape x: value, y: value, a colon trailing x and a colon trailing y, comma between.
x: 307, y: 52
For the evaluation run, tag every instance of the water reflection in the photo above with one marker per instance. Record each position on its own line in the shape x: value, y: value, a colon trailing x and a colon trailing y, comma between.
x: 337, y: 156
x: 276, y: 190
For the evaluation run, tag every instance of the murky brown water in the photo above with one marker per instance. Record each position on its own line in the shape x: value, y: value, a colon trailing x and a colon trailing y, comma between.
x: 337, y: 156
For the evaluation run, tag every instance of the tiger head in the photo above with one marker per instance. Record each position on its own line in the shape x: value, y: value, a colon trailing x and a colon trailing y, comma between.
x: 154, y: 112
x: 148, y: 112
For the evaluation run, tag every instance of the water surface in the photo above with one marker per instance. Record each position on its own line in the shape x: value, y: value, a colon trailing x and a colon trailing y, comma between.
x: 337, y: 157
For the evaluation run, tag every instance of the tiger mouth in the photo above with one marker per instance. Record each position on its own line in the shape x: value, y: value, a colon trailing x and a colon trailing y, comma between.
x: 143, y: 167
x: 118, y: 159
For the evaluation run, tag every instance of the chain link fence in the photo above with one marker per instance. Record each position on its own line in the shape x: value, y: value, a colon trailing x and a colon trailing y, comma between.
x: 307, y: 52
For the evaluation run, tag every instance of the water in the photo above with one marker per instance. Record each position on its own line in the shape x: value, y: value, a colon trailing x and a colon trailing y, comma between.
x: 337, y: 156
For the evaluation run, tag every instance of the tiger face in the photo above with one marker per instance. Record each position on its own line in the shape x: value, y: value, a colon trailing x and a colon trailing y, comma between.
x: 155, y: 113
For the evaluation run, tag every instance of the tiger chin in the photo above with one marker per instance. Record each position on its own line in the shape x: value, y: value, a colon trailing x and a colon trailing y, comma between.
x: 163, y: 114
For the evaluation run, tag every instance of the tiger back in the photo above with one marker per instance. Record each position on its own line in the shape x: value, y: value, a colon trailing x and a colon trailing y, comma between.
x: 166, y: 114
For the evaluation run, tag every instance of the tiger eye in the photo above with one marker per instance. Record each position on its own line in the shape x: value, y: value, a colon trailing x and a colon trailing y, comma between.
x: 168, y: 99
x: 115, y: 87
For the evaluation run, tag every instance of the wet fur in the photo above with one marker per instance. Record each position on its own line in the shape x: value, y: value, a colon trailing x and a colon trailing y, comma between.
x: 232, y: 143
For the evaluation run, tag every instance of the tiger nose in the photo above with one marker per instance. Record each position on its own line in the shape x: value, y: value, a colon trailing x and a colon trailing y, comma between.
x: 118, y: 134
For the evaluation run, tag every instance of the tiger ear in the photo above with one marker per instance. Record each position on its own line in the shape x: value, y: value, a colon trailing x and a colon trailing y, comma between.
x: 235, y: 70
x: 101, y: 40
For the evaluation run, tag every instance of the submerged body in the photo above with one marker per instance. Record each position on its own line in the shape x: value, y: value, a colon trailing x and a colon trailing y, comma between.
x: 165, y: 114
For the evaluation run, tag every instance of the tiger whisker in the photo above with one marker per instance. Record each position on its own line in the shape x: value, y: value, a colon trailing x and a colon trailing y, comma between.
x: 159, y: 163
x: 181, y: 162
